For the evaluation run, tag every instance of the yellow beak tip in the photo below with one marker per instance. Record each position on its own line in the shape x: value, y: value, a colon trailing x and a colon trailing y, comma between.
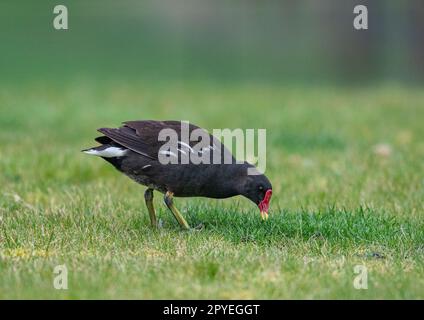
x: 264, y: 215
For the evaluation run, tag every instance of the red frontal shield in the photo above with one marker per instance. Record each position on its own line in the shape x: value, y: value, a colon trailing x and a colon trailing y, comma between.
x: 264, y: 204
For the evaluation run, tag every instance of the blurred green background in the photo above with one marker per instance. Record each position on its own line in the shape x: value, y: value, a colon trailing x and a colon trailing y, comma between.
x: 243, y: 40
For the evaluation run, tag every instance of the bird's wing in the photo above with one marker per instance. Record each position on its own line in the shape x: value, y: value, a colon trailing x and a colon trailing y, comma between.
x: 129, y: 138
x: 149, y: 129
x: 143, y: 136
x: 103, y: 140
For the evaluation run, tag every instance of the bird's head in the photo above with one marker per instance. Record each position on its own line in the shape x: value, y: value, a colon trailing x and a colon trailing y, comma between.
x: 258, y: 189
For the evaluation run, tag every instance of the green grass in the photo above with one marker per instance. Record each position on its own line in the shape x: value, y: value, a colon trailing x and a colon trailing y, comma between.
x: 338, y: 201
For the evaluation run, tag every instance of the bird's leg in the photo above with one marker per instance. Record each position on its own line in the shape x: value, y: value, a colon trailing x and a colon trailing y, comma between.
x: 148, y: 197
x: 168, y: 198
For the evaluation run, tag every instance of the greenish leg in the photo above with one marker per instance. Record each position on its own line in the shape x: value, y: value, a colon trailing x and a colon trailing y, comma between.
x: 148, y: 197
x: 168, y: 198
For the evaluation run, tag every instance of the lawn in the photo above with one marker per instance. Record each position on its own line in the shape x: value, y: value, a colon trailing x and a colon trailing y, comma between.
x: 348, y: 178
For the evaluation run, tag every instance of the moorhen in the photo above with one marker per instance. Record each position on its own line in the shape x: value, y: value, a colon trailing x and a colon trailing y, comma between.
x: 139, y: 150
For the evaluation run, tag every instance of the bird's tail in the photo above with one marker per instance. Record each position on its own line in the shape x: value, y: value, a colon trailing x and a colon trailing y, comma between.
x: 106, y: 151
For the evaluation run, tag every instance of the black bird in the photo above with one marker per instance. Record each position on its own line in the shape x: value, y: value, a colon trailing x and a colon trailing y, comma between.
x: 159, y: 155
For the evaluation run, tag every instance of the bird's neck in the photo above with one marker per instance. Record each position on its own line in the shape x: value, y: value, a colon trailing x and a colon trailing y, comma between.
x: 236, y: 176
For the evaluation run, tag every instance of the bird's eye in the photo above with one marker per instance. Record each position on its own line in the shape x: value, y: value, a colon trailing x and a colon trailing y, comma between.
x: 261, y: 188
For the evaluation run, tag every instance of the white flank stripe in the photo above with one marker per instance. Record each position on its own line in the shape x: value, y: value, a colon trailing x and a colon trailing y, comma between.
x: 186, y: 145
x: 206, y: 149
x: 146, y: 166
x: 182, y: 151
x: 111, y: 152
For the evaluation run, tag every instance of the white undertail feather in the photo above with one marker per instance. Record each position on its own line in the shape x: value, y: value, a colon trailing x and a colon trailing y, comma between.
x: 111, y: 152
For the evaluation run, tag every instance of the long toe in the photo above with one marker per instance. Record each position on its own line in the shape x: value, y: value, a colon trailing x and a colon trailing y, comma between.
x: 199, y: 227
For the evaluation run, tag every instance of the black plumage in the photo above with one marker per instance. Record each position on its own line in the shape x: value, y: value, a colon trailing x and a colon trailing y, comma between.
x: 135, y: 150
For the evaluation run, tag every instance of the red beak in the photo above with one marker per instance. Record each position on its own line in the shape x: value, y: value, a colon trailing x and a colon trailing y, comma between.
x: 264, y: 204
